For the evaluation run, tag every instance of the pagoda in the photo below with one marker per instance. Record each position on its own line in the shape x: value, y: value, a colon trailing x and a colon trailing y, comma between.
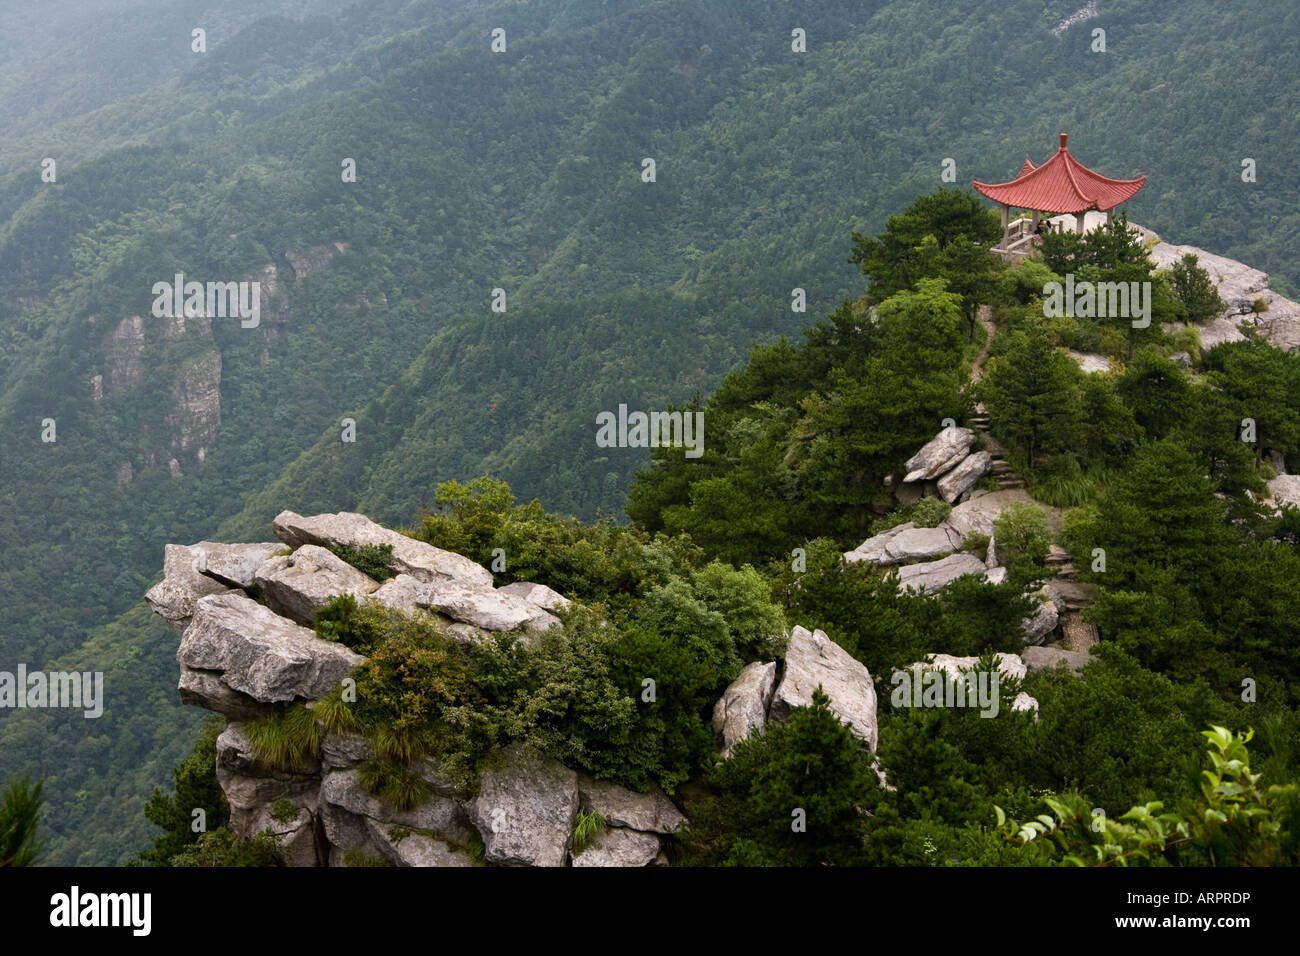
x: 1062, y: 185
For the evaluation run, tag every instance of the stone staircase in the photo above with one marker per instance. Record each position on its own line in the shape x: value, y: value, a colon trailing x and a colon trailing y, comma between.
x: 1000, y: 471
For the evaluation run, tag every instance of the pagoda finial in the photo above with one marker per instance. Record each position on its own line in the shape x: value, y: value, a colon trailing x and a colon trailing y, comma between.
x: 1063, y: 136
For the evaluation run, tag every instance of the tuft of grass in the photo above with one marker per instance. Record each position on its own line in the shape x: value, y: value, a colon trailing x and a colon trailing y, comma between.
x: 586, y: 828
x: 335, y: 714
x: 398, y: 786
x: 289, y: 740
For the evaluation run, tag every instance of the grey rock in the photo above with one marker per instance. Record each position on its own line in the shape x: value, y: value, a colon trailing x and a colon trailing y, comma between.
x: 991, y: 556
x: 1042, y: 622
x: 439, y: 815
x: 874, y: 548
x: 813, y: 659
x: 976, y: 515
x: 409, y: 848
x: 1024, y: 702
x: 174, y: 597
x: 486, y: 608
x: 921, y: 544
x: 1181, y: 359
x: 259, y: 653
x: 932, y: 577
x: 619, y: 848
x: 996, y: 575
x: 344, y: 751
x: 963, y: 477
x: 650, y: 812
x: 942, y: 452
x: 234, y: 565
x: 1047, y: 658
x: 416, y: 558
x: 539, y: 595
x: 205, y: 689
x: 743, y: 706
x: 298, y: 584
x: 525, y: 810
x: 1009, y: 665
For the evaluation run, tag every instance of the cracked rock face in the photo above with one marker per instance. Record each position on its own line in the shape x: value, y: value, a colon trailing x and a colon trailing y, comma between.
x: 939, y: 454
x: 526, y: 809
x: 256, y: 652
x: 420, y: 560
x: 813, y: 659
x: 298, y: 584
x: 742, y: 708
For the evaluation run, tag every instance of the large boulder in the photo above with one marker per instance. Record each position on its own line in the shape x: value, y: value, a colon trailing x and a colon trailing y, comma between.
x: 962, y: 478
x: 416, y: 558
x: 921, y: 544
x: 403, y: 847
x: 298, y: 584
x: 932, y: 577
x: 205, y: 689
x: 486, y: 608
x: 1049, y: 658
x: 256, y: 795
x: 650, y: 812
x: 874, y: 548
x: 619, y: 848
x: 525, y: 810
x: 1042, y: 622
x: 438, y: 815
x: 939, y: 454
x: 977, y: 514
x: 812, y: 659
x: 175, y: 596
x: 742, y: 708
x: 234, y: 565
x: 548, y: 599
x: 258, y: 653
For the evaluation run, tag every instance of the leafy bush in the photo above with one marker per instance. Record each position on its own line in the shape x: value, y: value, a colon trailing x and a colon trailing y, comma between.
x: 1022, y: 537
x: 930, y: 512
x: 373, y: 560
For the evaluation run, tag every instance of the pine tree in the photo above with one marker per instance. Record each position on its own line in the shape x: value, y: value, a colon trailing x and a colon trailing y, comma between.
x: 19, y: 812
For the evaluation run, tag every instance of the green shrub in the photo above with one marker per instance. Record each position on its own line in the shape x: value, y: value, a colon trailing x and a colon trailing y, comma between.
x: 284, y: 810
x: 373, y: 560
x: 930, y: 512
x: 1022, y: 537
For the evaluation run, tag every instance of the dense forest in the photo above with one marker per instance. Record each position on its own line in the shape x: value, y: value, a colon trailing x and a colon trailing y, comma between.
x: 522, y: 171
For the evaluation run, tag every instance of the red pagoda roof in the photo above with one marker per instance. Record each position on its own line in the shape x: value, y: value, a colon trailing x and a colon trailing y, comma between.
x: 1061, y: 185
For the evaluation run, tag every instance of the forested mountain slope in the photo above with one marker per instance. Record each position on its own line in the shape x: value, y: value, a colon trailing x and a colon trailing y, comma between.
x: 519, y: 170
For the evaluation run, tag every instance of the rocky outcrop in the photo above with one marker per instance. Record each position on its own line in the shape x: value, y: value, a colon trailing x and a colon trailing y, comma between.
x: 526, y: 810
x: 1240, y: 287
x: 175, y: 596
x: 812, y: 659
x: 619, y: 847
x: 539, y: 595
x: 649, y: 812
x: 742, y: 708
x: 255, y: 652
x: 1048, y: 658
x: 422, y: 561
x: 960, y: 479
x: 945, y: 450
x: 488, y: 608
x: 1042, y: 622
x: 931, y: 577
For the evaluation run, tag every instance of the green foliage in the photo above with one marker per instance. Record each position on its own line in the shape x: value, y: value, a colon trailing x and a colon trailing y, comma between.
x: 288, y: 739
x: 373, y: 560
x: 930, y: 512
x: 1022, y: 538
x: 1194, y: 290
x: 1234, y: 822
x: 20, y: 812
x: 794, y: 795
x: 284, y: 811
x: 586, y: 828
x: 221, y: 848
x: 196, y: 788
